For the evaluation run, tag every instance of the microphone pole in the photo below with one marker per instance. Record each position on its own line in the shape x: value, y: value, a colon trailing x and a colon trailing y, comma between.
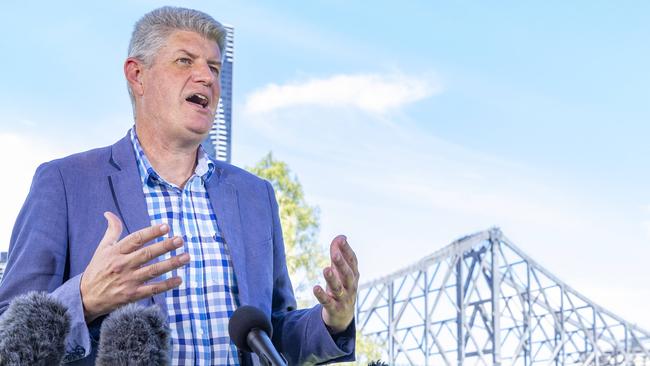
x: 251, y: 330
x: 260, y: 343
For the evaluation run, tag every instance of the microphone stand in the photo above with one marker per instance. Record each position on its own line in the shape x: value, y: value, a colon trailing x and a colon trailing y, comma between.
x: 260, y: 343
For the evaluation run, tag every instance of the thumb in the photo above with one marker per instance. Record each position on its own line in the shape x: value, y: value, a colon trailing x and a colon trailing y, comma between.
x: 113, y: 231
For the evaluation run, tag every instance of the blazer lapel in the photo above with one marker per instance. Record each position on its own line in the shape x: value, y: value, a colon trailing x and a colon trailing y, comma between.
x: 126, y: 187
x: 223, y: 197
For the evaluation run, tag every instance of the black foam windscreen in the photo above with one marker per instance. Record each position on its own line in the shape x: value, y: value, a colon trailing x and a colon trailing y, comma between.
x: 245, y: 319
x: 33, y: 331
x: 134, y: 335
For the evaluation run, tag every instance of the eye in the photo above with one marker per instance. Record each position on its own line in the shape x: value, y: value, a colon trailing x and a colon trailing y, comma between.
x: 184, y: 61
x: 215, y: 70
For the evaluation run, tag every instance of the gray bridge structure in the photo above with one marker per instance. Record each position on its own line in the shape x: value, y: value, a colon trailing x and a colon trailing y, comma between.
x: 482, y: 301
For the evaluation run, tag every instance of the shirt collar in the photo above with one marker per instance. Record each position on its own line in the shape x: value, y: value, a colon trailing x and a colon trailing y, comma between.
x: 148, y: 175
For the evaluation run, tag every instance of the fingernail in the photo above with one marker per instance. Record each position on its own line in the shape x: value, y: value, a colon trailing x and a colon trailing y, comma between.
x: 164, y: 228
x: 337, y: 257
x: 178, y: 242
x: 184, y: 258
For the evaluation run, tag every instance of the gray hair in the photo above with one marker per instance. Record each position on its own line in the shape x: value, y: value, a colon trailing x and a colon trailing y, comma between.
x: 153, y: 29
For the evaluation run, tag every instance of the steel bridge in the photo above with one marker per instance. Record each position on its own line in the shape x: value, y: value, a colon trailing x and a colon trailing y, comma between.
x: 482, y: 301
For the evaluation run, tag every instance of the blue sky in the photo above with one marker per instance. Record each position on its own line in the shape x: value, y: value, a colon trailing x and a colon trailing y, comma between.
x: 409, y: 124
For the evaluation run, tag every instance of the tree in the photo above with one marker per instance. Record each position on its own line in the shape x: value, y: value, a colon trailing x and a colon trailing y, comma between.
x: 305, y: 256
x: 368, y: 352
x: 300, y: 225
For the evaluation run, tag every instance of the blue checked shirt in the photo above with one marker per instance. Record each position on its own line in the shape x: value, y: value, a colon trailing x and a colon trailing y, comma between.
x: 200, y: 308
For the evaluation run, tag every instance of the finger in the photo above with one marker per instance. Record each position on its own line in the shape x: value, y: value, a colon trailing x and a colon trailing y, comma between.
x: 340, y: 245
x: 343, y: 270
x: 322, y: 297
x: 157, y: 269
x: 333, y: 284
x: 113, y: 229
x: 156, y: 288
x: 146, y: 254
x: 138, y: 239
x: 337, y: 242
x: 350, y: 257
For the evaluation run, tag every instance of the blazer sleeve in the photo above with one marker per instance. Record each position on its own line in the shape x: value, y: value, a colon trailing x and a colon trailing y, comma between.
x: 38, y: 255
x: 301, y: 335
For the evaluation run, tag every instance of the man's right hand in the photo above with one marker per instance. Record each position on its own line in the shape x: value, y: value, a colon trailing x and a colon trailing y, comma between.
x: 117, y: 272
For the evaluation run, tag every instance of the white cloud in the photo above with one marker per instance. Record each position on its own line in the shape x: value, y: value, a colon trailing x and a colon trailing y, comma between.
x: 19, y: 157
x: 23, y: 148
x: 371, y: 93
x: 646, y: 228
x: 400, y: 193
x: 645, y: 222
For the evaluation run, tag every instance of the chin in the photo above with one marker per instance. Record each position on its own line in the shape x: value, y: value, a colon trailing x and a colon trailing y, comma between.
x: 201, y: 127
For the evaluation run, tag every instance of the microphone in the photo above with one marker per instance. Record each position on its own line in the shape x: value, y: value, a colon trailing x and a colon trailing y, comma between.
x: 251, y: 330
x: 33, y: 331
x: 134, y: 335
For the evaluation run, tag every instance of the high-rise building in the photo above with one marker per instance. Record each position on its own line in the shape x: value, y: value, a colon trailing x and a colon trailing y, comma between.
x: 3, y: 263
x: 219, y: 140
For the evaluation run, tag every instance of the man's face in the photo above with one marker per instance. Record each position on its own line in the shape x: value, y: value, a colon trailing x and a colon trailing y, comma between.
x: 180, y: 90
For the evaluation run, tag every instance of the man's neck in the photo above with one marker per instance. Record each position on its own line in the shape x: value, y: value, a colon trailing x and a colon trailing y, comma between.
x: 173, y: 161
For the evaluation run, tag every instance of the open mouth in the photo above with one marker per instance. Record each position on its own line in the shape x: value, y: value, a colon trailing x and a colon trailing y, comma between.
x: 198, y: 99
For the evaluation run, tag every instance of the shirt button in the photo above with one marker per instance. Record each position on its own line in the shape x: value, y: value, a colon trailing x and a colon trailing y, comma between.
x: 200, y: 332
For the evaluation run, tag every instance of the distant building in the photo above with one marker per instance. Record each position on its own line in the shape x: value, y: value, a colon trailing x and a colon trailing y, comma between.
x: 219, y: 140
x: 3, y: 263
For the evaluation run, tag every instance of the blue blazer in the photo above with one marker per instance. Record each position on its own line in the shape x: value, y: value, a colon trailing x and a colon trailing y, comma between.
x: 61, y: 223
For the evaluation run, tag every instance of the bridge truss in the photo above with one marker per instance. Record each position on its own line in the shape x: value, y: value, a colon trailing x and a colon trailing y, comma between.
x: 482, y: 301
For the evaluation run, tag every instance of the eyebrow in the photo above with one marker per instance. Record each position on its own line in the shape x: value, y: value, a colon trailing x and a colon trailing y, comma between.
x: 210, y: 62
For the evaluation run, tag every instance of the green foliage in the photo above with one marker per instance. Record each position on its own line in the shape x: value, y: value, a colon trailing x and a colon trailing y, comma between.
x: 300, y: 224
x: 305, y: 256
x: 367, y: 351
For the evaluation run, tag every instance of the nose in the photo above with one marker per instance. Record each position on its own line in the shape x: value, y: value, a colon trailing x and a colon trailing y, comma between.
x: 202, y: 73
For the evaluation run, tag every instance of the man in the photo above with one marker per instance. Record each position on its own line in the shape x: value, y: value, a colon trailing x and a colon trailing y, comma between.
x: 217, y: 241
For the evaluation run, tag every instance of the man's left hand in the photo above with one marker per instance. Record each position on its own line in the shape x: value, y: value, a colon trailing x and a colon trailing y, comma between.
x: 342, y: 277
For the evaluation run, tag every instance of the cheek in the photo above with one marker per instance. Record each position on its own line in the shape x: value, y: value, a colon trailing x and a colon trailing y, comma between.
x: 163, y: 95
x: 152, y: 88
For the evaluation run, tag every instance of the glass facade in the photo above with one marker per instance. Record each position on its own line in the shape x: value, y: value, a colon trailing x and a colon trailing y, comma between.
x: 218, y: 142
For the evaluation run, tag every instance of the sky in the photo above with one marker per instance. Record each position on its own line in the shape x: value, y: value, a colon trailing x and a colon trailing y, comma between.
x: 409, y: 124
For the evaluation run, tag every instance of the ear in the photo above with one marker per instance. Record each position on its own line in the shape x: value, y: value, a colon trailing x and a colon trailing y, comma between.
x: 133, y: 69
